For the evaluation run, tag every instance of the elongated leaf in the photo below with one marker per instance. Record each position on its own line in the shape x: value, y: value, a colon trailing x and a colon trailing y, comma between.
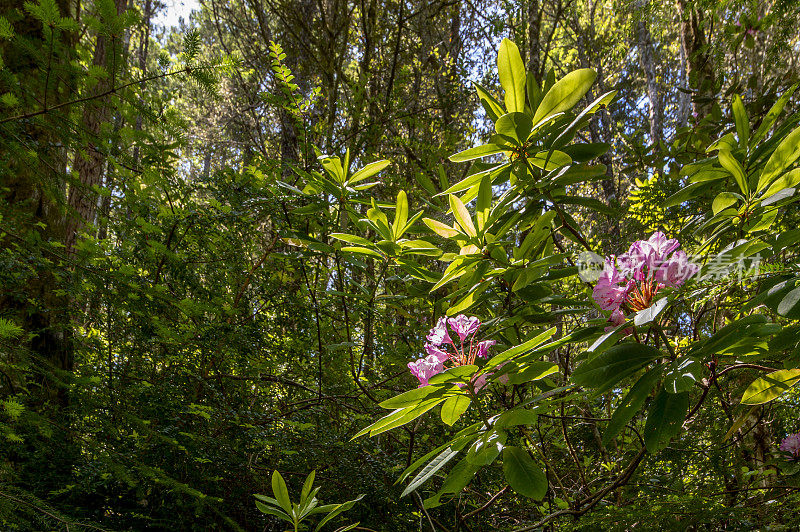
x: 352, y: 239
x: 528, y: 345
x: 268, y: 510
x: 741, y: 120
x: 429, y: 470
x: 784, y: 155
x: 514, y: 125
x: 523, y: 474
x: 534, y: 371
x: 440, y: 229
x: 413, y: 397
x: 307, y: 485
x: 770, y: 387
x: 631, y: 404
x: 790, y: 305
x: 493, y: 107
x: 565, y: 93
x: 453, y: 408
x: 723, y: 201
x: 549, y: 161
x: 682, y: 374
x: 478, y: 152
x: 732, y: 165
x: 363, y: 251
x: 608, y: 368
x: 462, y: 216
x: 280, y: 492
x: 336, y: 511
x: 400, y: 214
x: 511, y: 71
x: 516, y: 417
x: 369, y: 171
x: 772, y: 116
x: 664, y: 419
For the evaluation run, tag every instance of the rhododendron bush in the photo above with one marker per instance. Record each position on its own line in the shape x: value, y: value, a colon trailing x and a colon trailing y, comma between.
x: 695, y: 320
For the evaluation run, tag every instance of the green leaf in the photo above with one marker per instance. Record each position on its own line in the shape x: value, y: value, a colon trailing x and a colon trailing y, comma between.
x: 477, y: 152
x: 363, y: 251
x: 549, y: 161
x: 528, y: 345
x: 683, y: 195
x: 337, y: 510
x: 772, y: 116
x: 333, y: 165
x: 682, y: 374
x: 790, y: 305
x: 486, y: 448
x: 732, y: 165
x: 453, y: 408
x: 430, y: 469
x: 484, y: 204
x: 785, y: 154
x: 608, y: 368
x: 352, y: 239
x: 516, y: 417
x: 511, y: 71
x: 532, y: 372
x: 741, y: 120
x: 412, y: 397
x: 631, y: 404
x: 788, y: 180
x: 462, y: 216
x: 523, y: 474
x: 565, y: 93
x: 263, y: 508
x: 280, y: 492
x: 664, y: 419
x: 490, y: 103
x: 369, y: 171
x: 400, y: 215
x: 770, y: 387
x: 514, y: 125
x: 307, y: 485
x: 440, y: 229
x: 723, y: 201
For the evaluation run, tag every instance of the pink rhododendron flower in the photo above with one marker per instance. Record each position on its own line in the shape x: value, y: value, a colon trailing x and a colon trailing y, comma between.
x: 791, y: 445
x: 608, y: 292
x: 630, y: 282
x: 438, y: 335
x: 435, y: 351
x: 661, y: 245
x: 442, y: 349
x: 425, y: 368
x: 483, y: 348
x: 676, y: 270
x: 464, y: 326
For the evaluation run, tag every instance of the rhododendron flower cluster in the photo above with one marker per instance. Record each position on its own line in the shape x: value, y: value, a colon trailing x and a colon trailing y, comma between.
x: 629, y: 283
x: 442, y: 349
x: 791, y: 445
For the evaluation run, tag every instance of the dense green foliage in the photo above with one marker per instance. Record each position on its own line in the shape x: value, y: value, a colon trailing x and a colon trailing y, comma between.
x: 221, y: 246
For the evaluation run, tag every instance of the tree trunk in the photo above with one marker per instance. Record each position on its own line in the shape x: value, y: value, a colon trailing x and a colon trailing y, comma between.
x: 647, y: 61
x: 699, y: 69
x: 89, y: 165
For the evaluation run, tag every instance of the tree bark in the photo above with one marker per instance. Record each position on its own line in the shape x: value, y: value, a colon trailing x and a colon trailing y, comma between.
x: 699, y: 69
x: 647, y: 62
x: 89, y: 165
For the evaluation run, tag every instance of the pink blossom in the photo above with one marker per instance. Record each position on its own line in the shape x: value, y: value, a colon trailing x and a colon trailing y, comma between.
x: 662, y: 245
x: 483, y: 348
x: 425, y: 368
x: 676, y: 270
x: 608, y: 293
x: 464, y: 326
x: 438, y: 335
x: 438, y: 353
x: 791, y: 445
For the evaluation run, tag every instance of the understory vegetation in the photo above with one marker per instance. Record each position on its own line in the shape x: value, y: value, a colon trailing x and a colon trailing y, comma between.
x: 398, y: 265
